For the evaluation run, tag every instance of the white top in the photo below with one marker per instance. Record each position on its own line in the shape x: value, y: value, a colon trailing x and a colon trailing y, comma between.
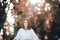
x: 26, y: 35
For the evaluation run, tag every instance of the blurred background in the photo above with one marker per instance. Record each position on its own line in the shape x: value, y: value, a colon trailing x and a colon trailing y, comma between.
x: 44, y: 16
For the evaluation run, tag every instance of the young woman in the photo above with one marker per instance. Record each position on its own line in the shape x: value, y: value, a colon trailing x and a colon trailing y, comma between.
x: 26, y: 32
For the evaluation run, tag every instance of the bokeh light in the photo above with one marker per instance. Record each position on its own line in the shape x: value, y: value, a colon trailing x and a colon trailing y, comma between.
x: 37, y: 1
x: 17, y: 1
x: 11, y: 6
x: 59, y: 0
x: 11, y: 30
x: 47, y: 7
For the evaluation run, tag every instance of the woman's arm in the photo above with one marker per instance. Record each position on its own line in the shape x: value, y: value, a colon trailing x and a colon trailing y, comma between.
x: 35, y: 37
x: 18, y: 35
x: 14, y: 39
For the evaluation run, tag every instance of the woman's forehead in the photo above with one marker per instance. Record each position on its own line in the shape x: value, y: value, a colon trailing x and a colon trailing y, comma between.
x: 25, y: 21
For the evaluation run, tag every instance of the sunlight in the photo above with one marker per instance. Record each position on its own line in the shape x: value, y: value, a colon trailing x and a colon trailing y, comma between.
x: 47, y: 7
x: 37, y: 1
x: 34, y: 2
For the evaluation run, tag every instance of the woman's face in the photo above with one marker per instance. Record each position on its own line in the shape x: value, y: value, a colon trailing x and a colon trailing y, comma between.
x: 25, y: 24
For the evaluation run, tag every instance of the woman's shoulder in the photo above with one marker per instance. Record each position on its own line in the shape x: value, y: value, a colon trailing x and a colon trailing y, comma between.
x: 20, y: 29
x: 32, y: 29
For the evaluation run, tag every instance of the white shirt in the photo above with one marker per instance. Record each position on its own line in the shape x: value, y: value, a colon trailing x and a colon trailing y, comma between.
x: 26, y: 35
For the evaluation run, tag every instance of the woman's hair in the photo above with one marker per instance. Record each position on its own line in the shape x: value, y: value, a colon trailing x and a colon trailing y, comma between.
x: 29, y: 26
